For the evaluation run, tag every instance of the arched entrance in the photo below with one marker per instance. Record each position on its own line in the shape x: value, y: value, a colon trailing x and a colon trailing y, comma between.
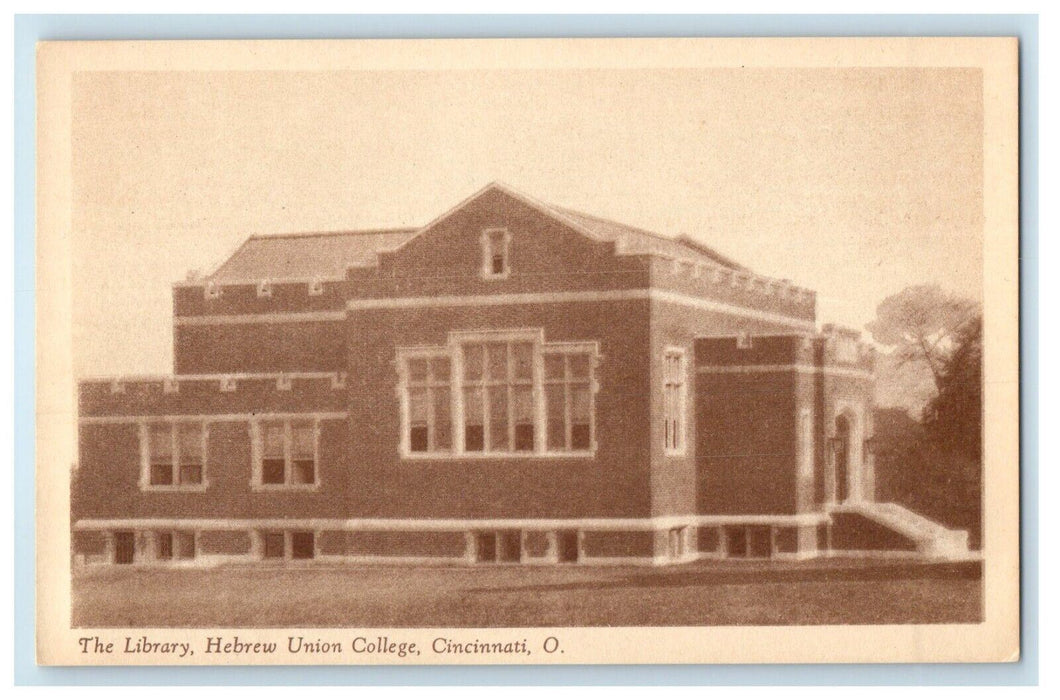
x: 842, y: 458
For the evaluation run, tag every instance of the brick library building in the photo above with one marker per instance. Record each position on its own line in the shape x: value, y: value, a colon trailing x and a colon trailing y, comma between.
x: 513, y: 383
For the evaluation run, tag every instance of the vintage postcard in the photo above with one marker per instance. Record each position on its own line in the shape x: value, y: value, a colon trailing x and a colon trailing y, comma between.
x: 527, y: 351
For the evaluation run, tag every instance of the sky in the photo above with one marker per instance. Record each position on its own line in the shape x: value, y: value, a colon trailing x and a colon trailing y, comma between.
x: 855, y: 182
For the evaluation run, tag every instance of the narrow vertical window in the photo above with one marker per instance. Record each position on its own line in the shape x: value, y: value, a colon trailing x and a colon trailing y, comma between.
x: 303, y: 453
x: 569, y: 402
x: 674, y: 401
x: 497, y: 395
x: 191, y: 462
x: 274, y: 459
x: 495, y: 245
x: 427, y: 381
x: 161, y: 446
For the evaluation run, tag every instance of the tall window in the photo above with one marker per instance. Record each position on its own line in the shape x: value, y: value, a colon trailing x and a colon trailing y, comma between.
x: 495, y: 245
x: 430, y: 428
x: 568, y: 401
x: 286, y: 453
x: 498, y: 397
x: 674, y: 401
x: 173, y: 455
x: 510, y: 394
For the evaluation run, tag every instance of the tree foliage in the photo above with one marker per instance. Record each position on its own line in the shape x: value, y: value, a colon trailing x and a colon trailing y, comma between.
x: 934, y: 465
x: 954, y: 417
x: 920, y: 323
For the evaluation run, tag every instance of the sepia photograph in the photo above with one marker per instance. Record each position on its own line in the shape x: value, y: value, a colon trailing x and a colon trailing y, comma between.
x: 650, y: 334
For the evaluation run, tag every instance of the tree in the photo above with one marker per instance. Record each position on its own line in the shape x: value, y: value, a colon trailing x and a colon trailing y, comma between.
x: 954, y: 417
x: 934, y: 465
x: 920, y: 324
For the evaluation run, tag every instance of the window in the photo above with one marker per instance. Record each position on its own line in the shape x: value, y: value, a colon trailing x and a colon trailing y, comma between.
x: 303, y: 545
x: 428, y: 381
x: 497, y: 393
x: 283, y: 545
x: 286, y: 453
x: 273, y: 545
x: 498, y: 396
x: 173, y: 455
x: 568, y: 401
x: 495, y: 245
x: 674, y: 401
x: 171, y: 546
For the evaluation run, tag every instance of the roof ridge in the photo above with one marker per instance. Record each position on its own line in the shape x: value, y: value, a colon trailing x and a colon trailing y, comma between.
x: 681, y: 239
x: 351, y: 232
x: 603, y: 219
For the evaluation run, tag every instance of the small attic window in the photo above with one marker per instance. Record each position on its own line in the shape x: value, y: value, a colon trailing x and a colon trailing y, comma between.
x: 495, y: 248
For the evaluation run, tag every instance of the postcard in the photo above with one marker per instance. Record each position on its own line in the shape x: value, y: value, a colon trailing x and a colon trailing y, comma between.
x: 508, y: 351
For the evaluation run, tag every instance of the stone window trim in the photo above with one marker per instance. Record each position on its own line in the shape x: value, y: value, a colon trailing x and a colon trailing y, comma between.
x: 496, y: 247
x: 454, y: 352
x: 176, y: 460
x: 806, y: 445
x: 257, y: 449
x: 675, y: 401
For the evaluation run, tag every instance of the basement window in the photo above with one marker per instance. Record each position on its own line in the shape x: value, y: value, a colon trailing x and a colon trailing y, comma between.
x: 170, y: 546
x: 273, y: 545
x: 287, y: 544
x: 303, y: 545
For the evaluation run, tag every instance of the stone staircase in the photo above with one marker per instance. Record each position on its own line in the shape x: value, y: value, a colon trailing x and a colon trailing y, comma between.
x: 931, y: 539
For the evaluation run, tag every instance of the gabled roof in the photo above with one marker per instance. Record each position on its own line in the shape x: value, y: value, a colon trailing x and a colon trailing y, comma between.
x: 328, y: 255
x: 631, y: 239
x: 307, y: 255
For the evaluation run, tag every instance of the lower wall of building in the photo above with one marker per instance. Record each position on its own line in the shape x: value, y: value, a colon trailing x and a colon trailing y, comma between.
x: 675, y: 540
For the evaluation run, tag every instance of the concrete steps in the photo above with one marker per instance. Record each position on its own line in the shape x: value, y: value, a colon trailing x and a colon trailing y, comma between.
x: 931, y: 539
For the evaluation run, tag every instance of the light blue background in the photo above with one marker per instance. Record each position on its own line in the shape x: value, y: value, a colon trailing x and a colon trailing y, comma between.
x: 32, y: 28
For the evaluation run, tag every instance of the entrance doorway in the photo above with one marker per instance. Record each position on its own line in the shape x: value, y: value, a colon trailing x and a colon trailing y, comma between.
x: 842, y: 459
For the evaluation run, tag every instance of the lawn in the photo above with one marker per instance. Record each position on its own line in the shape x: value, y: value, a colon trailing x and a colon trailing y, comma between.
x: 702, y: 593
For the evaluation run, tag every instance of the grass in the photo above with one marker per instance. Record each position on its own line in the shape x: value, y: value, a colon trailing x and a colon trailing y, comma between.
x: 703, y: 593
